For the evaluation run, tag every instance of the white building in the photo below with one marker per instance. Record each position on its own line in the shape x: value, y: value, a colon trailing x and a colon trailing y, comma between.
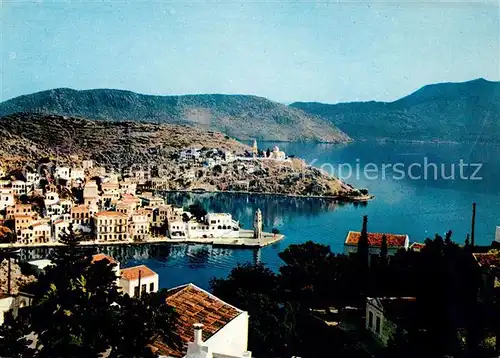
x: 87, y: 164
x: 63, y: 173
x: 90, y: 192
x: 6, y: 198
x: 229, y: 156
x: 19, y: 187
x: 41, y: 232
x: 111, y: 226
x: 223, y: 334
x: 77, y: 174
x: 189, y: 154
x: 277, y: 154
x: 137, y: 280
x: 32, y: 179
x: 395, y: 242
x: 60, y: 226
x: 497, y: 235
x: 26, y: 236
x: 51, y: 198
x: 6, y: 303
x: 139, y: 225
x: 382, y: 313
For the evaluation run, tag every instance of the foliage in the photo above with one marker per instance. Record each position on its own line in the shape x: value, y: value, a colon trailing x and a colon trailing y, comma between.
x: 197, y: 210
x: 78, y: 311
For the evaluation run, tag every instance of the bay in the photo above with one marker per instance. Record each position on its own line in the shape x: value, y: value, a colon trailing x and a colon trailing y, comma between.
x: 419, y: 207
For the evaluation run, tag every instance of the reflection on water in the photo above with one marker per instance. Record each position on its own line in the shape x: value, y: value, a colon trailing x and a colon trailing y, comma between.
x: 277, y: 210
x: 418, y: 208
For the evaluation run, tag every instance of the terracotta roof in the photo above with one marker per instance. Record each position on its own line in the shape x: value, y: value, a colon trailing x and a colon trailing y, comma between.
x: 375, y: 239
x: 79, y: 208
x: 417, y: 246
x: 111, y: 213
x: 99, y: 257
x: 487, y: 259
x: 132, y: 273
x: 195, y: 305
x: 22, y: 216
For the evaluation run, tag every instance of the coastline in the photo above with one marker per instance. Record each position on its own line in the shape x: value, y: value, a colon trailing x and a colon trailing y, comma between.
x: 245, y: 241
x: 338, y: 198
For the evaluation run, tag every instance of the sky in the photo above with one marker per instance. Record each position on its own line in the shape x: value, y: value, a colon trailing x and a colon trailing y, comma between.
x: 283, y: 50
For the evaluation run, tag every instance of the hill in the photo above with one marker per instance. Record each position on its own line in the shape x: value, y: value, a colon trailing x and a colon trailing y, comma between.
x: 239, y: 116
x: 459, y: 112
x: 28, y: 139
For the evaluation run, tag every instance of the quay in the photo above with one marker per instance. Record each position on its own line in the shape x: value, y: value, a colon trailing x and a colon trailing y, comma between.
x: 245, y: 240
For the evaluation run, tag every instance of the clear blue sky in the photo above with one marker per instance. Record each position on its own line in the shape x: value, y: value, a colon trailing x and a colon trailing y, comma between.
x: 284, y: 50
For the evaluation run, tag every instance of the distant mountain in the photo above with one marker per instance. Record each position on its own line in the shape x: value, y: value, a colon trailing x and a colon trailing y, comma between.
x: 461, y: 112
x: 239, y: 116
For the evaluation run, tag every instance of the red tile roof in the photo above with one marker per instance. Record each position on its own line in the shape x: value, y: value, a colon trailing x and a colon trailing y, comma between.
x: 375, y: 239
x: 417, y: 246
x: 111, y: 213
x: 487, y: 259
x: 194, y: 305
x: 132, y: 273
x: 99, y: 257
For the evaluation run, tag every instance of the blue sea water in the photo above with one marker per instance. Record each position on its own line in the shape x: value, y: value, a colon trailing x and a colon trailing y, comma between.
x: 417, y: 207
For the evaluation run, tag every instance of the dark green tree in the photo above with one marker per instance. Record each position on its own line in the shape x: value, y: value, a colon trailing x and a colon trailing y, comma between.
x: 384, y: 250
x: 197, y: 210
x: 363, y: 249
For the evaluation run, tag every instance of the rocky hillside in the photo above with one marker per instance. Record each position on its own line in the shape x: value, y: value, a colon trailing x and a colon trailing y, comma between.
x: 239, y: 116
x: 27, y: 137
x: 459, y: 112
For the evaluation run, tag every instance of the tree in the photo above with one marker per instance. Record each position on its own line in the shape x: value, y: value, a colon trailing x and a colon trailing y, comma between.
x: 13, y: 341
x: 78, y: 312
x: 363, y: 249
x: 197, y: 210
x: 384, y: 250
x: 272, y: 326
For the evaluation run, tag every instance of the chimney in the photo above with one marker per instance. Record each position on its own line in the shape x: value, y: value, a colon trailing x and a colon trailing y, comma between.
x: 198, y: 334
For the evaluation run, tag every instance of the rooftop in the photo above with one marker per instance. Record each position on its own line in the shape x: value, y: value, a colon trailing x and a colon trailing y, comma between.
x: 375, y: 239
x: 488, y: 259
x: 195, y: 305
x: 132, y: 273
x: 99, y: 257
x: 417, y: 246
x: 111, y: 213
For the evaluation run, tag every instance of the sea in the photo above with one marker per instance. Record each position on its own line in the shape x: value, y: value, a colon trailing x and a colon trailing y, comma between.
x: 421, y: 189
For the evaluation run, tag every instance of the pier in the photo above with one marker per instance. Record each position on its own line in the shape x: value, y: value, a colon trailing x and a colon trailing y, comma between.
x: 245, y: 240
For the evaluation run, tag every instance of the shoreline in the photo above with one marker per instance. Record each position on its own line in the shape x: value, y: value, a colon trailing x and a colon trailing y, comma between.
x: 245, y: 241
x: 363, y: 198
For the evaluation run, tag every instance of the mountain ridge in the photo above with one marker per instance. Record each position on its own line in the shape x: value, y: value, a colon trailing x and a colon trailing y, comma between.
x: 240, y: 116
x: 452, y: 111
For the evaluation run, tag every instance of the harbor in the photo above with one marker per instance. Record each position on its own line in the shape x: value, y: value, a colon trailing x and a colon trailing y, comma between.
x: 246, y: 239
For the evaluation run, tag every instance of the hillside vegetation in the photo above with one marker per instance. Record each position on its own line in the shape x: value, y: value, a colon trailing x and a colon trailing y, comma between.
x: 239, y: 116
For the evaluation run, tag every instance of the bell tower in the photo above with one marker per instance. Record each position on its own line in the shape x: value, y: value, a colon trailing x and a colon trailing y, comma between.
x: 257, y: 225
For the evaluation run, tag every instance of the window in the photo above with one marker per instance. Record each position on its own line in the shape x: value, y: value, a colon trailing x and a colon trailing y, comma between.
x: 370, y: 319
x: 378, y: 329
x: 143, y: 288
x: 136, y: 291
x: 151, y: 287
